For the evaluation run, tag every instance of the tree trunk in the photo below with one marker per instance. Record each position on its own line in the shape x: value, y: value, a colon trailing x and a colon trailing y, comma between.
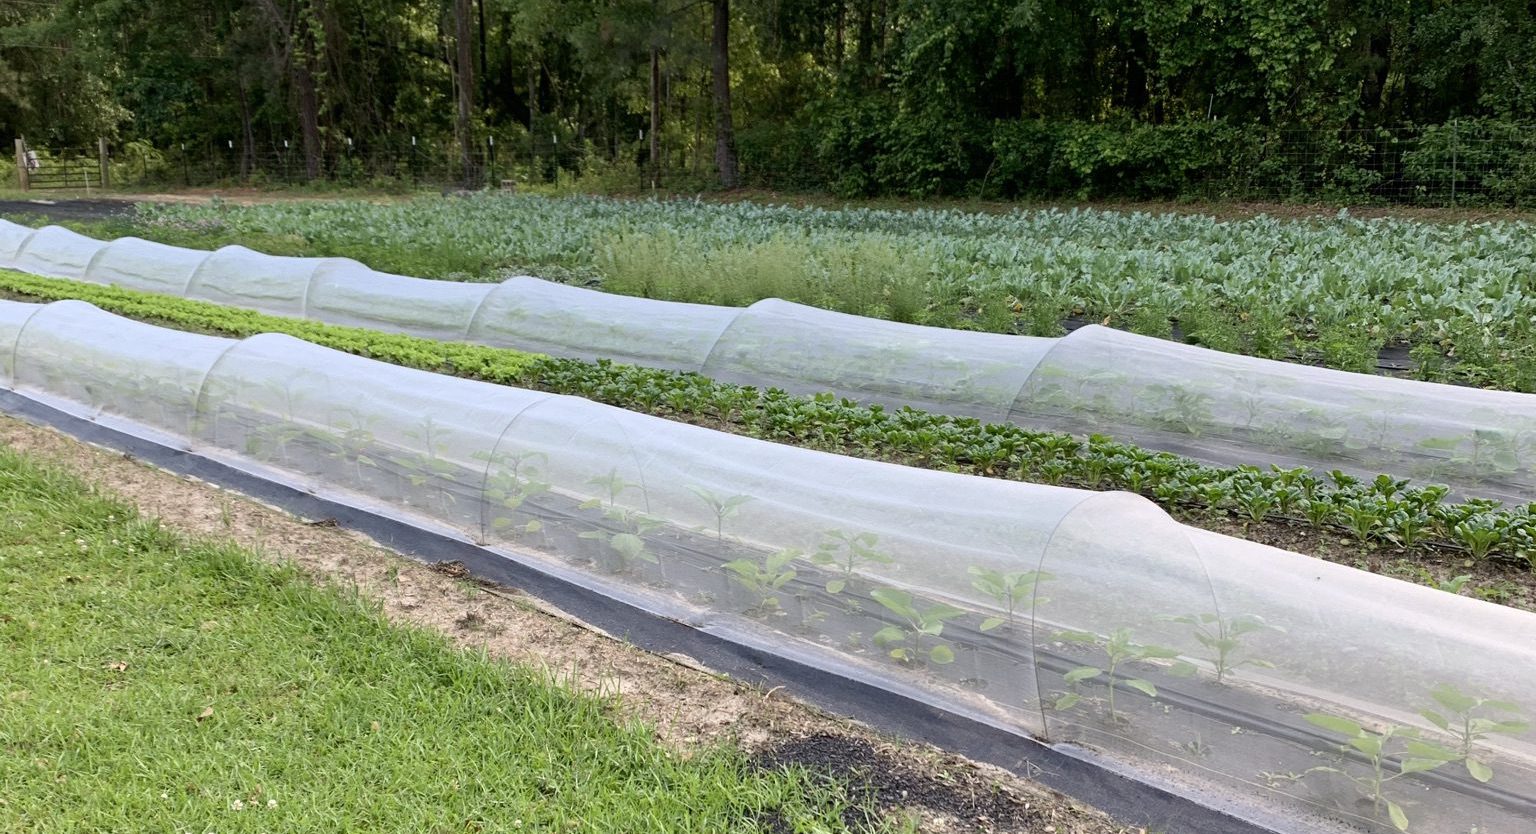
x: 247, y: 136
x: 655, y: 117
x: 1137, y: 93
x: 463, y: 34
x: 298, y: 51
x: 837, y: 49
x: 864, y: 50
x: 309, y: 114
x: 725, y: 131
x: 533, y: 114
x: 482, y: 69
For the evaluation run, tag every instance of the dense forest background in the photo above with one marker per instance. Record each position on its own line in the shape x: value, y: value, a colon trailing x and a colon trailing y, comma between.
x: 917, y: 97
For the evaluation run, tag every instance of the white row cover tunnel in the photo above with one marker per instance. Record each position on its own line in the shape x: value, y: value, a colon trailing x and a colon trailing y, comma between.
x: 1217, y: 407
x: 1070, y: 615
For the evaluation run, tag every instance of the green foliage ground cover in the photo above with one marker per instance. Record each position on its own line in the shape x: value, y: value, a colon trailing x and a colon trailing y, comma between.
x: 1386, y: 511
x: 151, y: 683
x: 1331, y: 291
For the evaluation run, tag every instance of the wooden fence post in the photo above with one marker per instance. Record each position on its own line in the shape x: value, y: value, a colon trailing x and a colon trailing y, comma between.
x: 101, y: 154
x: 21, y: 165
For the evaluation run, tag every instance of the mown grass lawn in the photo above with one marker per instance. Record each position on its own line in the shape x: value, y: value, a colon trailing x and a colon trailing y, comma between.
x: 150, y: 683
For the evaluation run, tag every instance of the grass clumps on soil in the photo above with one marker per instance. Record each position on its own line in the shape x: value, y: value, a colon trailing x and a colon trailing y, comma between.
x: 152, y: 683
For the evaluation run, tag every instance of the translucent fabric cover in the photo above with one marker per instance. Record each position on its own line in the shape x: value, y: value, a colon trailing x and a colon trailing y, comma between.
x: 1092, y: 618
x: 346, y: 292
x: 1199, y: 627
x: 1229, y: 408
x: 58, y: 252
x: 681, y: 473
x: 144, y: 265
x: 808, y: 350
x: 1217, y: 407
x: 421, y: 441
x: 114, y: 367
x: 237, y: 276
x: 13, y: 236
x: 13, y: 317
x: 532, y: 314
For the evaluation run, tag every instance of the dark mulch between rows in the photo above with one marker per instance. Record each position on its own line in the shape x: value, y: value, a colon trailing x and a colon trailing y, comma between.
x: 882, y: 781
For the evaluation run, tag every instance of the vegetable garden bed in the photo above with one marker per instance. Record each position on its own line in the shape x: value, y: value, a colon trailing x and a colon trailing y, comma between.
x: 1218, y: 407
x: 1385, y: 513
x: 910, y: 576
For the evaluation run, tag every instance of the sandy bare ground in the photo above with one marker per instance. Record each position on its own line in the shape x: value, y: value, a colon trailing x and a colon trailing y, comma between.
x: 687, y: 706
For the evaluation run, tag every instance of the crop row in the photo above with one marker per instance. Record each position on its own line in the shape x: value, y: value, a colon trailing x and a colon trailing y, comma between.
x: 1326, y: 291
x: 1383, y: 510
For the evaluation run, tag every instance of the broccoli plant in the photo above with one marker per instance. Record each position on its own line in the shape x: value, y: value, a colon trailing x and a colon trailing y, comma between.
x: 628, y: 546
x: 615, y: 485
x: 423, y: 466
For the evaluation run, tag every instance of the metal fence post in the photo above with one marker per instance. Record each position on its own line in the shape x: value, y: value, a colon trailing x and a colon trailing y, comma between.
x: 1455, y: 146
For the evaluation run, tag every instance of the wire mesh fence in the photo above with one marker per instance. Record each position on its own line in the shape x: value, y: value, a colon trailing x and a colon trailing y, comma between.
x: 389, y: 162
x: 1470, y: 163
x: 1461, y: 163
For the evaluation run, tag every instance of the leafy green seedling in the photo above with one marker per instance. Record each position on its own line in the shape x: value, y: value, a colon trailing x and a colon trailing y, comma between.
x: 1470, y: 720
x: 614, y: 484
x: 723, y: 508
x: 1008, y: 589
x: 1455, y: 583
x: 845, y: 552
x: 1120, y: 650
x: 1379, y: 748
x: 1342, y: 480
x: 765, y: 578
x: 511, y: 485
x: 1318, y: 511
x: 1223, y: 636
x: 1478, y: 537
x: 1256, y: 501
x: 630, y: 547
x: 1362, y: 516
x: 906, y: 643
x: 351, y: 439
